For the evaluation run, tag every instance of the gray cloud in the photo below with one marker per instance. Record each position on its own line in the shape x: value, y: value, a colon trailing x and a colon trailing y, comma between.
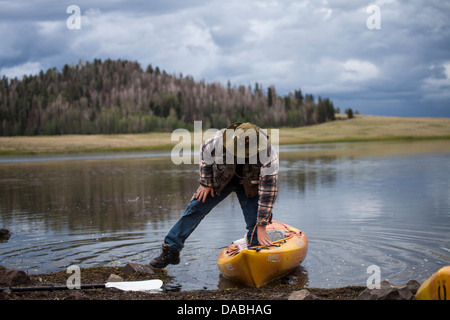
x: 322, y: 47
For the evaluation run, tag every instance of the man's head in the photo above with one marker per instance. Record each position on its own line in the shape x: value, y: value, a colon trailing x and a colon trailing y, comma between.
x: 244, y: 140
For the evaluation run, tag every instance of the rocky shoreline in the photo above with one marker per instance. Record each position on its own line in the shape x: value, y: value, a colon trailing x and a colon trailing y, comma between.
x: 134, y: 272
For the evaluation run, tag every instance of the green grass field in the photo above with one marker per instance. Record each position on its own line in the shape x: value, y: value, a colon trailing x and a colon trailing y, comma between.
x: 369, y: 128
x: 360, y: 128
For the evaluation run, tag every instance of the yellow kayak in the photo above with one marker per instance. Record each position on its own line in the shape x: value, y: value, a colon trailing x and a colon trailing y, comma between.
x: 436, y: 287
x: 256, y: 266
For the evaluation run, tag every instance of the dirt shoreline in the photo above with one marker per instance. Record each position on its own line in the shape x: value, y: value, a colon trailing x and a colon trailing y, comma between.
x: 100, y: 275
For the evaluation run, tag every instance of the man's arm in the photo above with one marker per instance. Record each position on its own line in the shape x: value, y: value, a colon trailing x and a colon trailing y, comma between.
x: 205, y: 165
x: 205, y: 169
x: 267, y: 188
x: 268, y: 191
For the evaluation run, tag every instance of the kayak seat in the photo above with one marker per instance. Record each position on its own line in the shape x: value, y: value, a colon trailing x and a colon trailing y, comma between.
x: 276, y: 234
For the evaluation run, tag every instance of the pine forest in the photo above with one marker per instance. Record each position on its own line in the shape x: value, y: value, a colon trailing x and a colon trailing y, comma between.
x: 117, y: 96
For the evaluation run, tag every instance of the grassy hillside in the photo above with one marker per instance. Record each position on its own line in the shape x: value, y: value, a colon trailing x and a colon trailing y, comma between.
x: 361, y: 128
x: 369, y: 128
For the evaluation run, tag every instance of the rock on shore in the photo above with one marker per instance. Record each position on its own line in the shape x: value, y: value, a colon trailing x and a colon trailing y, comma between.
x: 386, y: 291
x: 14, y: 277
x: 4, y: 235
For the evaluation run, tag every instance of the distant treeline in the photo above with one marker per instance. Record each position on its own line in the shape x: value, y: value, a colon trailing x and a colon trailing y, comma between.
x: 116, y: 96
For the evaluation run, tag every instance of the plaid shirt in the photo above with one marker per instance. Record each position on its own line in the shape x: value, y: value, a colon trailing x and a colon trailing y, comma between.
x: 268, y: 179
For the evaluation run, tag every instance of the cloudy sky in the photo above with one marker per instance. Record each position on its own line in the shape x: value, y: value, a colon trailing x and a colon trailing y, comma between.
x: 323, y: 47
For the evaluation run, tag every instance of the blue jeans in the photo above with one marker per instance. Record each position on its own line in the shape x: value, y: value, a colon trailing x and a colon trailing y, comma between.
x: 197, y: 210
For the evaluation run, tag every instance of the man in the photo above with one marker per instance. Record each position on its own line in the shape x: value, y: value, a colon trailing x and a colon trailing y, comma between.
x: 237, y: 159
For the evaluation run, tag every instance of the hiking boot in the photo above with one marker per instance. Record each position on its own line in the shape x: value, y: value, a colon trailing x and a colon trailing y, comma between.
x: 167, y: 256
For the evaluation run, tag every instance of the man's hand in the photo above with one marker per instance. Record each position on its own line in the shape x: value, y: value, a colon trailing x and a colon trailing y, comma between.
x: 263, y: 238
x: 202, y: 193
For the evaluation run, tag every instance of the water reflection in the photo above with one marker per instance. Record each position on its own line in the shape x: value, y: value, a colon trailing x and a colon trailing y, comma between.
x: 98, y: 195
x: 359, y: 204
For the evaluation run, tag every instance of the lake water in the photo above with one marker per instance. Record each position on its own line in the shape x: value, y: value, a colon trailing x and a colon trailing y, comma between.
x: 360, y: 204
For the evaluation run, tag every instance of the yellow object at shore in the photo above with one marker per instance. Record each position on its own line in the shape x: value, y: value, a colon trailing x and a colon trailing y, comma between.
x: 437, y: 287
x: 256, y: 266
